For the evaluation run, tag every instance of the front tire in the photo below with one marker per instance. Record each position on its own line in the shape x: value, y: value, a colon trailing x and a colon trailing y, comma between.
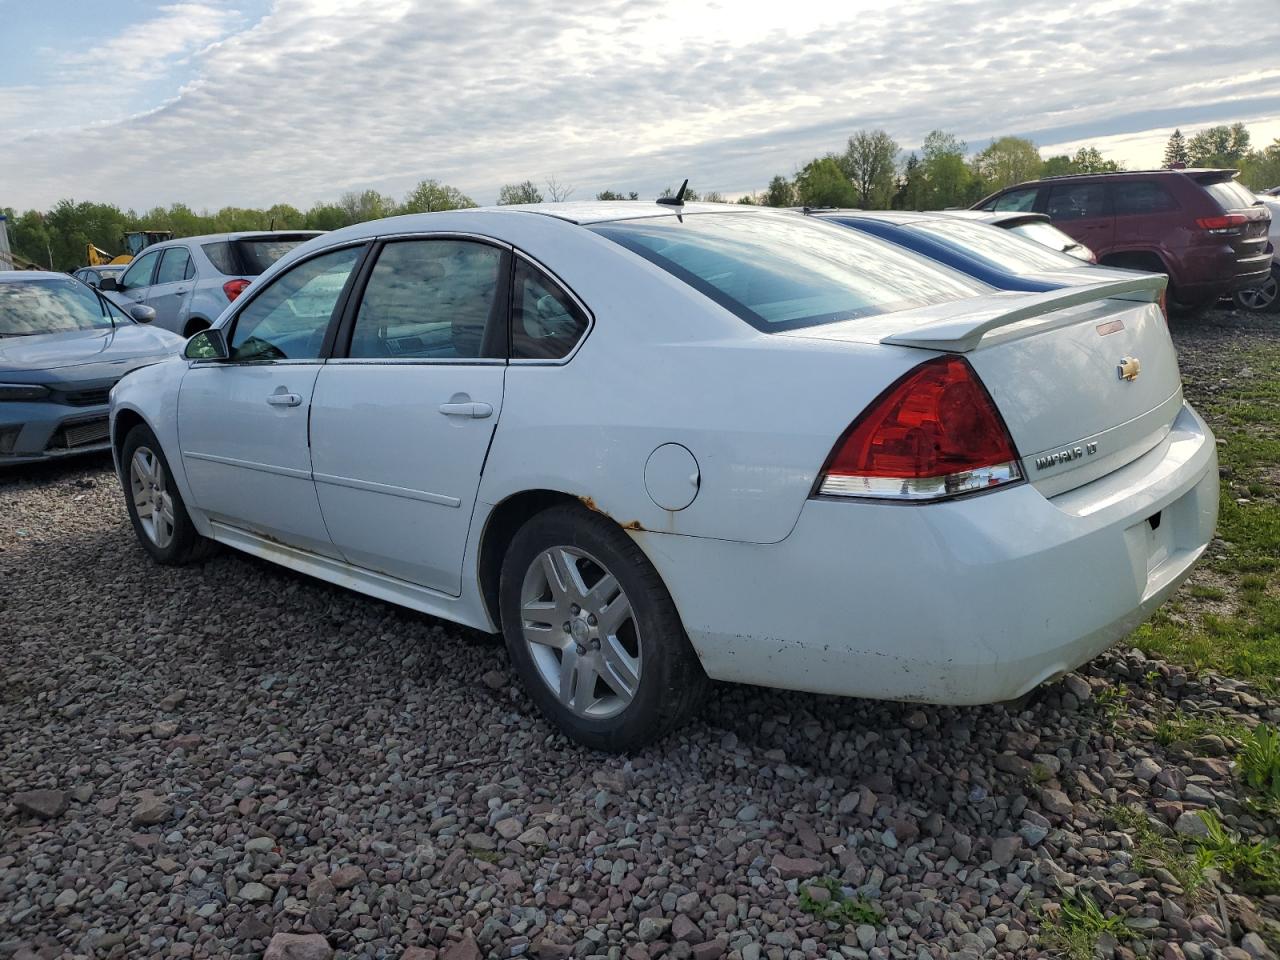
x: 160, y: 519
x: 593, y: 632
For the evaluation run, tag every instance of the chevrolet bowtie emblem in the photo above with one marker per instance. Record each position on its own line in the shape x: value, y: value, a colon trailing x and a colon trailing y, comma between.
x: 1129, y: 368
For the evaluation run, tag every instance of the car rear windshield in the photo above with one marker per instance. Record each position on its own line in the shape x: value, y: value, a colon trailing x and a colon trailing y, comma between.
x: 1043, y: 233
x: 779, y: 272
x: 30, y: 307
x: 249, y: 257
x: 1231, y: 195
x: 998, y: 247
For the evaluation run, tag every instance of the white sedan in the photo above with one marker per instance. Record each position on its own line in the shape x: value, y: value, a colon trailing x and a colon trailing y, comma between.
x: 655, y: 444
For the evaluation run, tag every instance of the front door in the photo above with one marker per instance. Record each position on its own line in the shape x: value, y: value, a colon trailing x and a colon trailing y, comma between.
x: 135, y: 284
x: 242, y: 422
x: 171, y: 288
x: 401, y: 424
x: 1083, y: 212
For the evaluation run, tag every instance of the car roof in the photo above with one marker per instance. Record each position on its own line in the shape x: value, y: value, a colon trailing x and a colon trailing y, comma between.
x: 603, y: 211
x: 1192, y: 172
x: 14, y: 276
x: 238, y: 235
x: 885, y: 216
x: 998, y: 217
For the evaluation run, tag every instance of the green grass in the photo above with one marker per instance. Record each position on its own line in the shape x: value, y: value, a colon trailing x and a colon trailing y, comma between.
x: 1259, y: 764
x: 1152, y: 849
x: 1073, y: 930
x: 1205, y: 592
x: 1254, y: 866
x: 838, y: 908
x: 1180, y: 727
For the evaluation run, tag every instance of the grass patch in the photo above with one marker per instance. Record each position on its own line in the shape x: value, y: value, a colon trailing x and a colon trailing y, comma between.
x: 1072, y: 931
x: 837, y: 907
x: 1259, y: 763
x: 1203, y: 591
x: 1179, y: 727
x: 1153, y: 849
x: 1253, y: 866
x: 1110, y: 705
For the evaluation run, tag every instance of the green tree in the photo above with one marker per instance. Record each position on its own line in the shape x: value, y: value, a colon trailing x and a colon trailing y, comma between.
x: 869, y: 162
x: 1175, y: 151
x: 946, y: 176
x: 326, y: 216
x: 1219, y: 146
x: 713, y: 196
x: 366, y: 205
x: 750, y: 199
x: 432, y: 195
x: 524, y: 192
x: 780, y: 193
x: 823, y: 184
x: 1090, y: 160
x: 911, y: 186
x: 611, y: 195
x: 1260, y: 169
x: 1006, y: 161
x: 284, y: 217
x: 1059, y: 165
x: 690, y: 194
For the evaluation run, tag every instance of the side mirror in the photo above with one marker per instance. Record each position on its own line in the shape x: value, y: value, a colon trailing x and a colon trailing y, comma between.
x: 109, y: 284
x: 142, y: 313
x: 208, y: 344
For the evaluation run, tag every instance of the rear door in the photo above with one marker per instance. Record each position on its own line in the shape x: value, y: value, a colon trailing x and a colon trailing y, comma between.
x: 1083, y: 212
x: 171, y: 287
x: 403, y: 415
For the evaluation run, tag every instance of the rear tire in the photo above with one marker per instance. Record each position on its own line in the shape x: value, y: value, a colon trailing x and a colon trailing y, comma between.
x: 593, y: 633
x: 160, y: 519
x: 1262, y: 299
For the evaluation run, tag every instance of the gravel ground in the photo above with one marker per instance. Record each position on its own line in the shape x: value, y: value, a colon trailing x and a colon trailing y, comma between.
x: 229, y: 753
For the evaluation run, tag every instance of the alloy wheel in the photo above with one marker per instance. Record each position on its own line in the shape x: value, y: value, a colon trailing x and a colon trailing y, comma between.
x: 581, y: 632
x: 1261, y: 297
x: 151, y: 497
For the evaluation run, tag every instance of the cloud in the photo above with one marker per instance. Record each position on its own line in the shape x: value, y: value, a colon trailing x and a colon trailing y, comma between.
x: 322, y: 96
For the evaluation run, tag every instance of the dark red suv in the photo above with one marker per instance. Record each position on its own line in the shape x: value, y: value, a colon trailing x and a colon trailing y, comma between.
x: 1204, y: 230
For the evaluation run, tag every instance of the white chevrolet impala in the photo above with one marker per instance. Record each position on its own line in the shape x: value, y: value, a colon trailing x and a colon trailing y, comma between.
x: 655, y: 444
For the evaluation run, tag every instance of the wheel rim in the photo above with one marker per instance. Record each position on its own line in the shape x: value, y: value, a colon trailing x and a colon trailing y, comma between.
x: 581, y: 632
x: 151, y: 497
x: 1261, y: 297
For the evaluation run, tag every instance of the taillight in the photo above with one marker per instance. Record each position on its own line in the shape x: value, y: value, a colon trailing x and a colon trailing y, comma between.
x: 233, y: 288
x: 934, y: 433
x: 1227, y: 223
x: 1163, y: 302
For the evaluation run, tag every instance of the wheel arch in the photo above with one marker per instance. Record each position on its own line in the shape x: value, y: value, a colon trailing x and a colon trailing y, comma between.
x: 125, y: 420
x: 194, y: 325
x: 1143, y: 259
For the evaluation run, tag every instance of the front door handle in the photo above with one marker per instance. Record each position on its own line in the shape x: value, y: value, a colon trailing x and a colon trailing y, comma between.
x: 284, y: 399
x: 472, y: 409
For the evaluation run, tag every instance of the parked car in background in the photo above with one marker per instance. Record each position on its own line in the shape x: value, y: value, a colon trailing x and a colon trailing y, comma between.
x: 93, y: 276
x: 1032, y: 226
x: 62, y: 349
x: 653, y: 444
x: 1001, y: 258
x: 1199, y: 226
x: 189, y: 282
x: 1265, y: 297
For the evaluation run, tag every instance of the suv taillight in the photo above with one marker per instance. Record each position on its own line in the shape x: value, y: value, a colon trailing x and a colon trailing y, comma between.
x: 233, y: 288
x: 934, y: 433
x: 1227, y: 223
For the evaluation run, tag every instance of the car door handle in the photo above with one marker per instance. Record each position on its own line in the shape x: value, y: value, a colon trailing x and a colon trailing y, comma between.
x: 284, y: 399
x: 477, y: 411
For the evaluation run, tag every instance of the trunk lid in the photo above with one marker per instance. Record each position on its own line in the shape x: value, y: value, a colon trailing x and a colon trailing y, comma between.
x: 1086, y: 378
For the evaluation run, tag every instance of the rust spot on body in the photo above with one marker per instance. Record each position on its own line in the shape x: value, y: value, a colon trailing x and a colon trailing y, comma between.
x: 590, y: 504
x: 633, y: 525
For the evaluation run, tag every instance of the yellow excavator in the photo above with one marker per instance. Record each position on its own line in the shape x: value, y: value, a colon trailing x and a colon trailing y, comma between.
x: 135, y: 241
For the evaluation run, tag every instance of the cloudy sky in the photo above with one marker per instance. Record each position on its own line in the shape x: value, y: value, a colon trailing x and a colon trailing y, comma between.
x: 250, y: 102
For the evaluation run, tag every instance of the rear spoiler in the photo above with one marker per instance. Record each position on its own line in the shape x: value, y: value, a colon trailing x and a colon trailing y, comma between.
x: 963, y: 333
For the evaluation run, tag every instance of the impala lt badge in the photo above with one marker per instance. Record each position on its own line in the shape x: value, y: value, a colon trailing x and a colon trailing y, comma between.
x: 1129, y: 368
x: 1047, y: 460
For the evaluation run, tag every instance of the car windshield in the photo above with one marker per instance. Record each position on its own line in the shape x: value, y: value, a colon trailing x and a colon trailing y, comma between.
x: 29, y: 307
x: 779, y: 272
x: 997, y: 247
x: 249, y: 257
x: 1043, y: 233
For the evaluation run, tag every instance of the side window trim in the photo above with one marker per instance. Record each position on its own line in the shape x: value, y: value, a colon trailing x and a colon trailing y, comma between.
x: 340, y: 346
x: 326, y: 348
x: 564, y: 288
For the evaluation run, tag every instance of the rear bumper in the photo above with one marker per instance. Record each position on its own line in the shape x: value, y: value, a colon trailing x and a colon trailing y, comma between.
x: 971, y: 601
x: 1212, y: 272
x: 32, y: 432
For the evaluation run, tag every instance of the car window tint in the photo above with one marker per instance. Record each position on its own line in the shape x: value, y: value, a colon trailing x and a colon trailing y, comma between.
x: 429, y: 299
x: 1231, y: 195
x: 780, y: 272
x: 1077, y: 201
x: 545, y: 322
x: 1020, y: 200
x: 221, y: 256
x: 139, y: 272
x: 1140, y: 196
x: 174, y: 265
x: 288, y: 319
x: 999, y: 248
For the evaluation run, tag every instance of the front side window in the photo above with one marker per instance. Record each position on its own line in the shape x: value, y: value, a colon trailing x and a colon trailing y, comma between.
x: 32, y: 307
x: 1019, y: 201
x: 997, y: 247
x: 288, y: 320
x: 139, y: 272
x: 1077, y: 201
x: 779, y: 272
x: 545, y: 323
x: 1130, y: 197
x: 175, y: 265
x: 430, y: 300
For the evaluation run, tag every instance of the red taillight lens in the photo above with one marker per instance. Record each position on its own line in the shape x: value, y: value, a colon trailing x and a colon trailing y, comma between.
x: 233, y: 288
x: 935, y: 433
x: 1227, y: 223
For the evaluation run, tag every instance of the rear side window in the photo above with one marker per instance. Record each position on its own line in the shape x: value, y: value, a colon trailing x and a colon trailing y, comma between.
x: 1140, y: 196
x: 998, y: 247
x: 222, y: 257
x: 779, y: 272
x: 1231, y: 195
x: 248, y: 257
x: 1021, y: 201
x: 175, y: 265
x: 1077, y: 201
x: 545, y: 322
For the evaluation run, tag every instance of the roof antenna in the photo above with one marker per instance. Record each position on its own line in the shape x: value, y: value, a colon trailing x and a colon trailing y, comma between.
x: 678, y: 199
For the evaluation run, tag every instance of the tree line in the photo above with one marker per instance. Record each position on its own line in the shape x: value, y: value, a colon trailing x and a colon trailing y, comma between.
x: 870, y: 172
